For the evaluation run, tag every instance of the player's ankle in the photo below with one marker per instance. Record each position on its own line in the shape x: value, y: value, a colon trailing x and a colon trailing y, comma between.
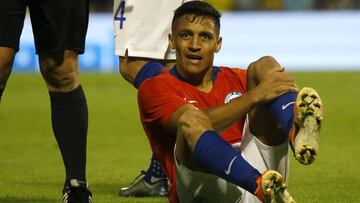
x: 154, y: 172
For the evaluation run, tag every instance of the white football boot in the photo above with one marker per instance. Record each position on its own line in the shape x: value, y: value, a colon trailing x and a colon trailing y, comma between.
x: 308, y: 113
x: 274, y: 189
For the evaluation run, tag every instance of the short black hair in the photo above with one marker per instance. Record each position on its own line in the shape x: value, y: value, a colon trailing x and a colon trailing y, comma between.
x: 197, y: 8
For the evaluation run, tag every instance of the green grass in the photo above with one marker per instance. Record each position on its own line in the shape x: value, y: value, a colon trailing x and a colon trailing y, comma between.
x: 31, y: 168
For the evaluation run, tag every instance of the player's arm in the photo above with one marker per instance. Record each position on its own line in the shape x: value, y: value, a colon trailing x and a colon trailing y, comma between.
x: 274, y: 84
x: 169, y: 107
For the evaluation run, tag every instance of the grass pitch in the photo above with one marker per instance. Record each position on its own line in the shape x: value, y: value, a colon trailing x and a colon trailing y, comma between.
x: 31, y: 168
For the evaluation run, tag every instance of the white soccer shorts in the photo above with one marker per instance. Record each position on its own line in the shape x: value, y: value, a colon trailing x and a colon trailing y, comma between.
x: 142, y: 27
x: 193, y: 186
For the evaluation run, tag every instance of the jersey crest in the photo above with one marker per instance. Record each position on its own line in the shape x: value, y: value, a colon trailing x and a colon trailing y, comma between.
x: 231, y: 96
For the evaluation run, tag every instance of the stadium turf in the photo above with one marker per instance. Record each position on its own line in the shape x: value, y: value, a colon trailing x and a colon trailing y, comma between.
x: 31, y: 168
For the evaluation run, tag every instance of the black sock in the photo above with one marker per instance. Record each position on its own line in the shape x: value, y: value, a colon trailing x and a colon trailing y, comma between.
x: 69, y: 116
x: 1, y: 92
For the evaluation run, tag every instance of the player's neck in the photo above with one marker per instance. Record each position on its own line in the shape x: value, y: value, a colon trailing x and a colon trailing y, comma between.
x: 203, y: 81
x: 206, y: 84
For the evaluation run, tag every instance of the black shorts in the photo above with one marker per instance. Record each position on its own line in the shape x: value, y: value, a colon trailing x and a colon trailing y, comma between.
x: 57, y: 24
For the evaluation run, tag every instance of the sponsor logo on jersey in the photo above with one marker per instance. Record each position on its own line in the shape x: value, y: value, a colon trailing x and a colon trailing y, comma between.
x: 231, y: 96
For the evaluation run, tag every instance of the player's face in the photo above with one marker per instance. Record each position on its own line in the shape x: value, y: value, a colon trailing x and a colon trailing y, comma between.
x: 196, y: 40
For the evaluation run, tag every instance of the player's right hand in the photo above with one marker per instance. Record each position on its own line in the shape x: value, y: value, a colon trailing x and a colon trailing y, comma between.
x: 276, y: 83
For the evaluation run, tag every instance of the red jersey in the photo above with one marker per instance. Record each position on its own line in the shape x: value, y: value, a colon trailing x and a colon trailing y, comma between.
x: 161, y: 96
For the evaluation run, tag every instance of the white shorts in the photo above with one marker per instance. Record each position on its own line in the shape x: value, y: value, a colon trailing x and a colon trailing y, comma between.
x: 142, y: 27
x: 193, y: 186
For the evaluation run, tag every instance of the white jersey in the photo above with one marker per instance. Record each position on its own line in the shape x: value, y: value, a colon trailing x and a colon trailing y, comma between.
x: 142, y: 27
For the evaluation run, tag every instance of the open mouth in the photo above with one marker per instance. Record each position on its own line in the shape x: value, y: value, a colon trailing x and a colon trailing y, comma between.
x: 194, y: 58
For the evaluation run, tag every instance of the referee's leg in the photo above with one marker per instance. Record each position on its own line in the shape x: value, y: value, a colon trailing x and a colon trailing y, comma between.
x: 6, y: 61
x: 69, y: 113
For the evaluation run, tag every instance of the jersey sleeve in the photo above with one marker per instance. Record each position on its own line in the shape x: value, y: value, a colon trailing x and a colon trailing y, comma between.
x: 157, y: 101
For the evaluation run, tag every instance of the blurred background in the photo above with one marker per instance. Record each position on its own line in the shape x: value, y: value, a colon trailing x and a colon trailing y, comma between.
x: 256, y: 5
x: 302, y: 34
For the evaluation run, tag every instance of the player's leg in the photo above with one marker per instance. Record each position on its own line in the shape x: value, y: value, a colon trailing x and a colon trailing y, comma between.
x: 58, y: 47
x: 136, y: 69
x: 263, y: 123
x: 154, y: 182
x: 280, y: 122
x: 6, y: 61
x: 263, y: 157
x: 68, y: 109
x: 69, y: 113
x: 199, y: 148
x: 141, y: 42
x: 12, y: 14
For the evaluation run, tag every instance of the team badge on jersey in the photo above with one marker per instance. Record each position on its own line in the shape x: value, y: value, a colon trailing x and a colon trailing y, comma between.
x: 231, y: 96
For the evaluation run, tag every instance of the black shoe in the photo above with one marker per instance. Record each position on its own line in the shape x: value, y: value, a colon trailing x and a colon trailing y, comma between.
x: 141, y: 188
x: 77, y: 192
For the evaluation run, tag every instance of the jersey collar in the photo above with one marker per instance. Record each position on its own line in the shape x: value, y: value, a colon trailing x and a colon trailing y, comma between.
x: 176, y: 74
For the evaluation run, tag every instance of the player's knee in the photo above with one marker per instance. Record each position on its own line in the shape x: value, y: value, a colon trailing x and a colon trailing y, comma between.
x: 130, y: 67
x: 192, y: 124
x: 6, y: 61
x: 60, y: 80
x: 124, y: 71
x: 127, y: 69
x: 60, y: 74
x: 5, y: 70
x: 266, y: 59
x: 258, y: 69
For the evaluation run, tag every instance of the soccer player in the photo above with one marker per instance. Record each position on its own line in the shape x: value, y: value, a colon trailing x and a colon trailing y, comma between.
x: 221, y: 134
x: 59, y: 28
x: 141, y: 33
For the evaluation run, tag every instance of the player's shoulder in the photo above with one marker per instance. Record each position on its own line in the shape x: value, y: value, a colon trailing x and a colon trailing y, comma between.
x: 231, y: 69
x: 238, y: 71
x: 159, y: 82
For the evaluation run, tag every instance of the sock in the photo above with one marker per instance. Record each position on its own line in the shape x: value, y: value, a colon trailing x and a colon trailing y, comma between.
x: 69, y: 116
x: 150, y: 69
x: 154, y: 172
x: 1, y: 93
x: 283, y: 109
x: 218, y: 157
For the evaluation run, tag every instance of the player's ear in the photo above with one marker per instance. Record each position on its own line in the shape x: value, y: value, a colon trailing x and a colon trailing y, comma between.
x: 218, y: 44
x: 171, y: 41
